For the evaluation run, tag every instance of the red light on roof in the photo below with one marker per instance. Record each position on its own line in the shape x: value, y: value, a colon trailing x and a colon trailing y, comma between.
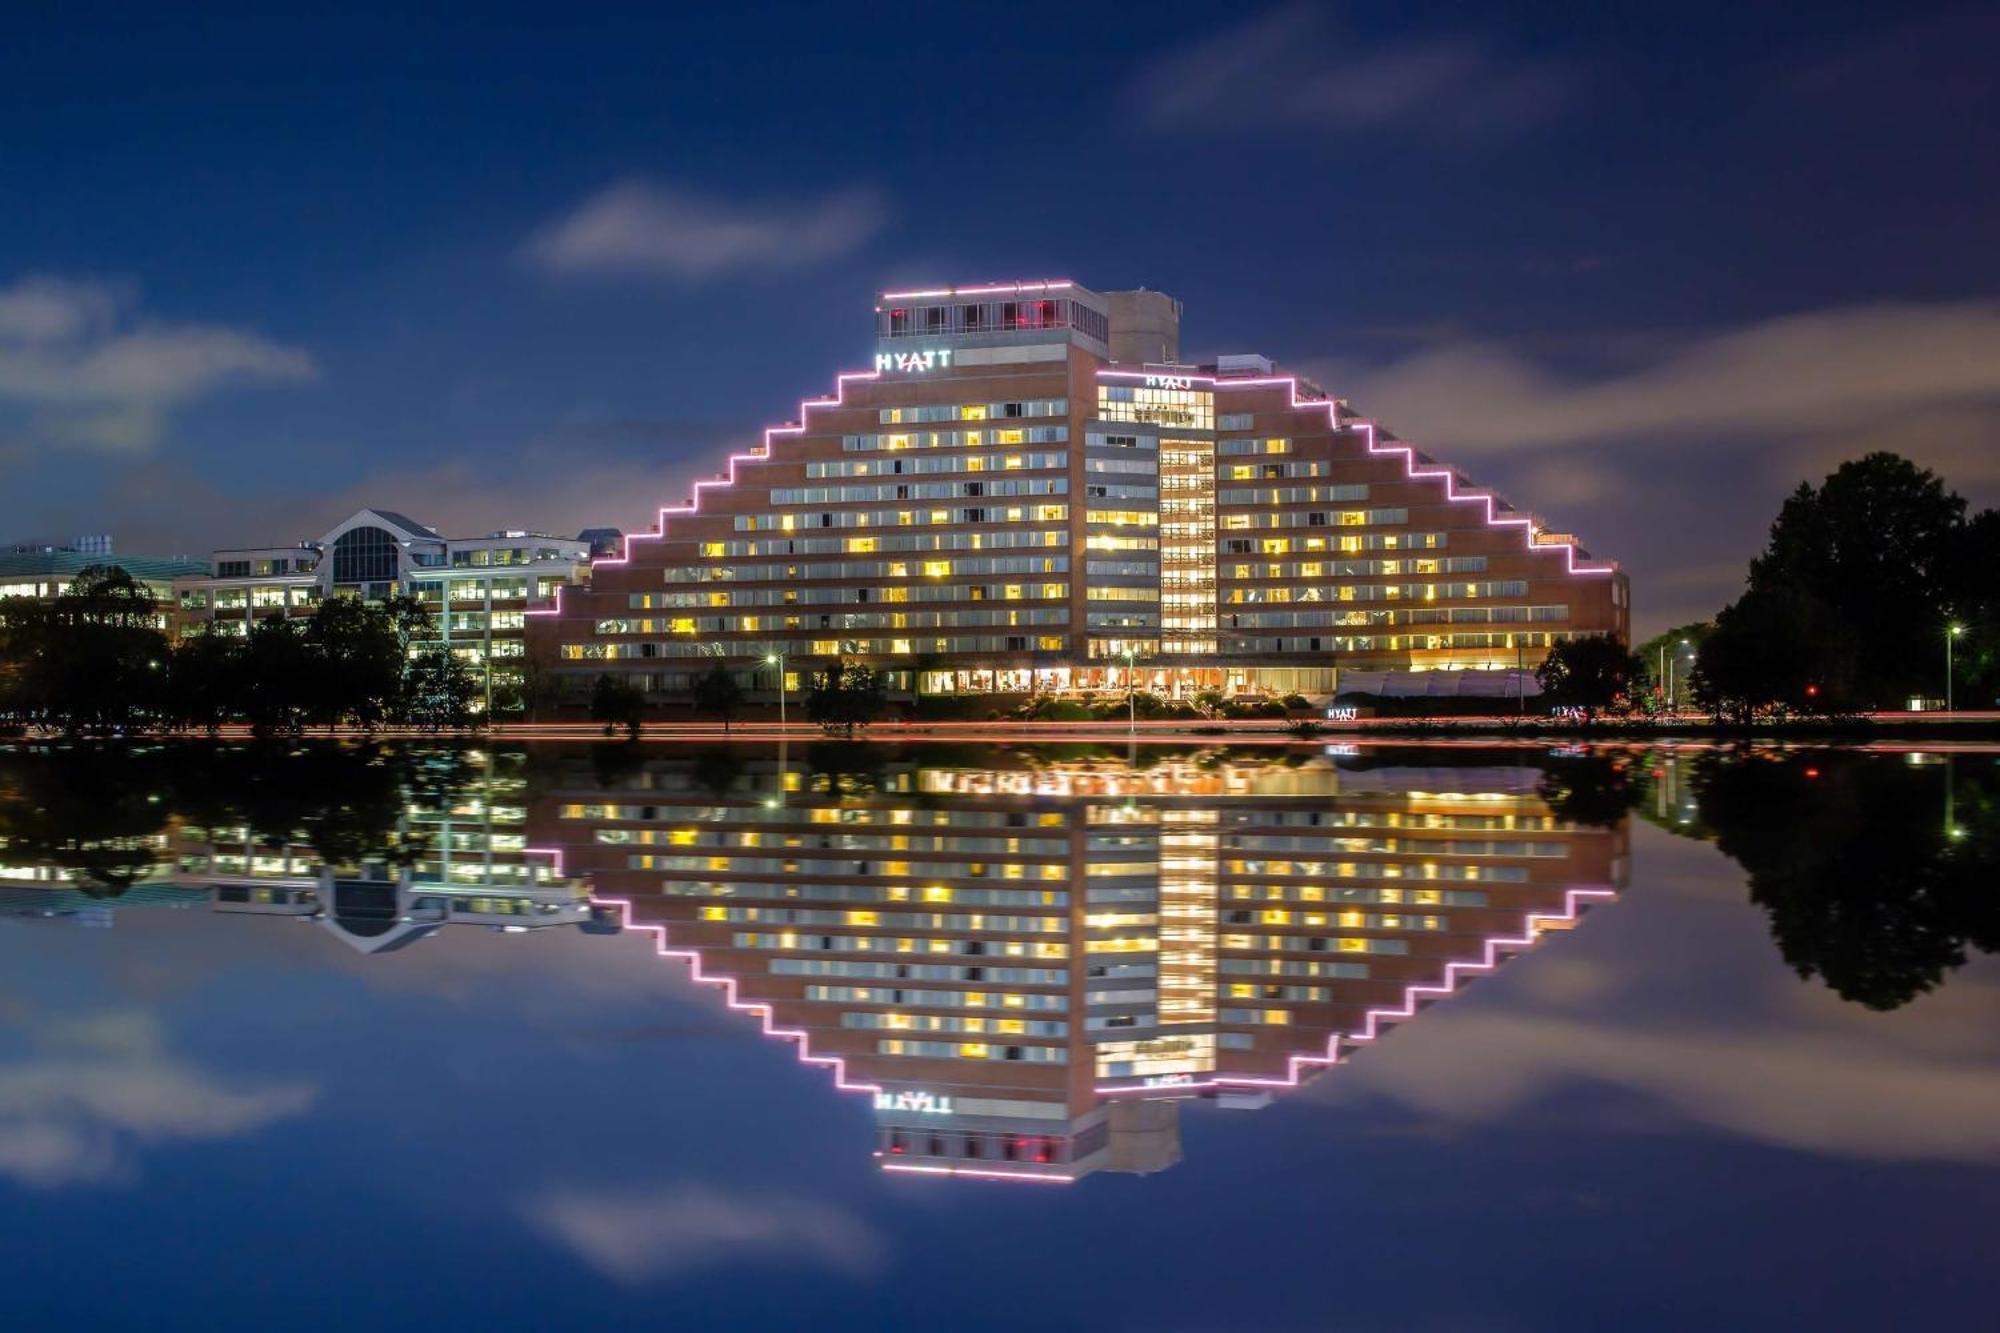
x: 1812, y: 773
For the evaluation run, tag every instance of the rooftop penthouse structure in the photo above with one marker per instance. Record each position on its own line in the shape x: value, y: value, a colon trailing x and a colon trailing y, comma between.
x: 1028, y: 491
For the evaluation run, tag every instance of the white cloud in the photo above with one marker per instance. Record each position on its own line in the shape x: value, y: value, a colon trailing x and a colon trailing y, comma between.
x: 1290, y: 68
x: 83, y: 367
x: 644, y: 228
x: 1866, y: 368
x: 72, y: 1112
x: 638, y: 1237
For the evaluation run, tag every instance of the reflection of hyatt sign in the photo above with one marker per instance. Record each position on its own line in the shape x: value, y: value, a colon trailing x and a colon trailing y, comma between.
x: 1169, y: 382
x: 914, y: 363
x: 921, y: 1103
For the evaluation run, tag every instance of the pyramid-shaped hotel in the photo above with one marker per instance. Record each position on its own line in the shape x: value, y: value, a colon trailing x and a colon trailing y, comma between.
x: 1029, y: 492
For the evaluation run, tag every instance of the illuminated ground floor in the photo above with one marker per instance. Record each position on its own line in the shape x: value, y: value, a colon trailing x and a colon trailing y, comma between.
x: 1092, y: 681
x: 1169, y: 681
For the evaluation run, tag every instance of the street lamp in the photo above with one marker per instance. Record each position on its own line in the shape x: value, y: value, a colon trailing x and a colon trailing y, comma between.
x: 1951, y: 633
x: 778, y: 660
x: 1673, y: 687
x: 1131, y: 697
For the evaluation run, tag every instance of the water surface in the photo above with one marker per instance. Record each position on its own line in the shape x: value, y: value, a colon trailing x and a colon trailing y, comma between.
x: 410, y: 1037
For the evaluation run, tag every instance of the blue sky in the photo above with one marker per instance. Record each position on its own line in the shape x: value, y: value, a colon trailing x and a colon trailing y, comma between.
x: 1642, y: 268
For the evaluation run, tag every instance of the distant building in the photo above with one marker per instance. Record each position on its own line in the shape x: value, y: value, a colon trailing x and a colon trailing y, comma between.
x: 43, y: 573
x: 478, y: 588
x: 98, y: 545
x: 603, y: 541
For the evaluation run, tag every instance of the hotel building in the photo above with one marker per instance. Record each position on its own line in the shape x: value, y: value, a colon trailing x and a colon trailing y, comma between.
x: 1029, y: 491
x: 1028, y: 969
x: 478, y: 589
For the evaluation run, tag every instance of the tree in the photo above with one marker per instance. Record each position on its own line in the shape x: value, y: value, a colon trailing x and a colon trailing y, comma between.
x: 1973, y: 603
x: 1848, y: 603
x: 616, y: 702
x: 358, y: 661
x: 715, y: 691
x: 540, y: 689
x: 94, y: 659
x: 1777, y: 651
x: 1591, y: 673
x: 23, y: 629
x: 205, y: 679
x: 1667, y: 663
x: 439, y: 692
x: 279, y: 677
x: 846, y: 696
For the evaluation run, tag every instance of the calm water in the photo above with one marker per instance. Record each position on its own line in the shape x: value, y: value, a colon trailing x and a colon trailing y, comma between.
x: 1192, y: 1039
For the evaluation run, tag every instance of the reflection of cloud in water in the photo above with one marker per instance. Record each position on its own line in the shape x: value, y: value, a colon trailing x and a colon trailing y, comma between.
x: 1801, y: 1090
x: 1768, y: 1057
x: 637, y: 1237
x: 72, y: 1111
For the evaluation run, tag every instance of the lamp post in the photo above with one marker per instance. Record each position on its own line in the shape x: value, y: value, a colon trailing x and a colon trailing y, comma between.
x: 778, y: 660
x: 1951, y: 632
x: 1673, y: 686
x: 1131, y: 698
x: 1520, y: 679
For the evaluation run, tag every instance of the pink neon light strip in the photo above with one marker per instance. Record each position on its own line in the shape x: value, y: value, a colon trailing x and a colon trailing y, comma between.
x: 1055, y: 284
x: 1372, y: 1021
x: 763, y: 1011
x: 693, y: 506
x: 978, y: 1174
x: 1375, y: 446
x: 1370, y: 1030
x: 661, y: 946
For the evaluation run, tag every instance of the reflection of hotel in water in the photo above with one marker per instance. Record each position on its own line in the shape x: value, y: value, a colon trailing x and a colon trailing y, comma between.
x: 1029, y: 968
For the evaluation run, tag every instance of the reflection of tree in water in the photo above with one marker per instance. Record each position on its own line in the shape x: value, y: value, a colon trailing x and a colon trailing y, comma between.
x: 346, y: 802
x: 616, y: 764
x: 95, y: 812
x: 716, y: 772
x: 1849, y: 854
x: 1851, y: 857
x: 1598, y: 790
x: 852, y: 769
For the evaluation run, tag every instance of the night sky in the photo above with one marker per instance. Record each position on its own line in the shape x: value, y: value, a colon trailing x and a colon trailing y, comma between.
x: 1642, y: 268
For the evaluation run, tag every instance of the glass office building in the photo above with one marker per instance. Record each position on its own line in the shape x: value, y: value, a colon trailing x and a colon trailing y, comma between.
x: 477, y: 589
x: 1028, y: 491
